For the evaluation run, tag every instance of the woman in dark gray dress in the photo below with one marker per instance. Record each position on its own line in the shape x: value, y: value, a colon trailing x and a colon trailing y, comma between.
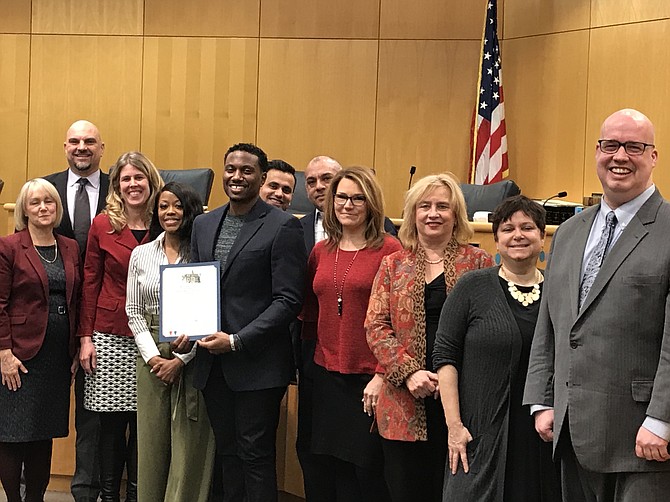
x: 481, y: 353
x: 39, y: 294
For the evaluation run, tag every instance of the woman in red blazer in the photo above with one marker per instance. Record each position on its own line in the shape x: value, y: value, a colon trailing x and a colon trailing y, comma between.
x: 108, y: 353
x: 39, y: 295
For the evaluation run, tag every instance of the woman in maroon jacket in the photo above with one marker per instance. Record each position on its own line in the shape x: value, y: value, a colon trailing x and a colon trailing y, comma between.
x: 39, y: 294
x: 108, y: 354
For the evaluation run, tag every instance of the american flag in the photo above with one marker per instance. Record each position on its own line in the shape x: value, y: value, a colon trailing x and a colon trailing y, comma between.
x: 489, y: 140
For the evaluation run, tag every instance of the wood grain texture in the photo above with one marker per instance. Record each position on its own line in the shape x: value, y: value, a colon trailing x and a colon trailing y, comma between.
x: 90, y: 17
x: 320, y: 18
x: 434, y: 19
x: 14, y: 16
x: 534, y: 17
x: 14, y: 82
x: 545, y: 103
x: 609, y: 12
x: 627, y: 69
x: 317, y: 97
x: 204, y: 18
x: 106, y: 91
x: 425, y: 102
x: 199, y: 97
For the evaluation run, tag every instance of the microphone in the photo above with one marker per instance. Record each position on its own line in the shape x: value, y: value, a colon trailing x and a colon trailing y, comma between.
x: 412, y: 170
x: 559, y: 195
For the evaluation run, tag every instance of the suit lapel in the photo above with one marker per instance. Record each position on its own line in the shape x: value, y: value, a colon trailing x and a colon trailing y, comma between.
x: 102, y: 194
x: 575, y: 272
x: 252, y: 224
x: 126, y: 238
x: 34, y: 259
x: 61, y: 187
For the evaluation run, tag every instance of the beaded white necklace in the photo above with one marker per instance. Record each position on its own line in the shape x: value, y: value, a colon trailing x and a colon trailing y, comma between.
x: 524, y: 299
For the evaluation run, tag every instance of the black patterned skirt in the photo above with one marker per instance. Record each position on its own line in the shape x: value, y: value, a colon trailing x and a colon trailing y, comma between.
x: 40, y: 409
x: 113, y: 384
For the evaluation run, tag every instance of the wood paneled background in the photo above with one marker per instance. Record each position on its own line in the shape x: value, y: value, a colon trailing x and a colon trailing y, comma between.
x: 384, y: 83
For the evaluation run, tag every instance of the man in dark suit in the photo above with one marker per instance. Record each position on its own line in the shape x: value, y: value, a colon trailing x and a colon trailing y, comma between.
x: 244, y: 369
x: 599, y: 373
x: 83, y: 150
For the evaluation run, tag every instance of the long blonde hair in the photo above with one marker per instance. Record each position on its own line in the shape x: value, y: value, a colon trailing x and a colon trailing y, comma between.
x: 115, y: 209
x: 462, y: 229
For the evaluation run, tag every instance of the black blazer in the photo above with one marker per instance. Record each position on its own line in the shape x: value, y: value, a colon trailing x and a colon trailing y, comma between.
x: 59, y: 180
x: 261, y: 293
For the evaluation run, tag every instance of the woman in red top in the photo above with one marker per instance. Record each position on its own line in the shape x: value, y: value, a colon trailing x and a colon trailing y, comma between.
x: 407, y: 297
x: 340, y: 274
x: 108, y: 353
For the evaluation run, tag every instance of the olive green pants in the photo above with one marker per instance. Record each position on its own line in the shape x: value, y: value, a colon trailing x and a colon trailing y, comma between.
x: 175, y: 443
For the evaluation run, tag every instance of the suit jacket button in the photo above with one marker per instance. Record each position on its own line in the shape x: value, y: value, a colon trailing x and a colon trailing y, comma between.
x: 573, y: 344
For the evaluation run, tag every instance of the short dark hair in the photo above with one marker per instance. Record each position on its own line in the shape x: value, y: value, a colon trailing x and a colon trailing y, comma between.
x: 516, y: 203
x: 283, y: 166
x: 192, y: 204
x: 253, y: 150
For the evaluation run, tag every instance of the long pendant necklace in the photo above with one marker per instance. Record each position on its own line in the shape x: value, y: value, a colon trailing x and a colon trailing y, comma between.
x: 43, y: 258
x: 338, y: 291
x: 524, y: 299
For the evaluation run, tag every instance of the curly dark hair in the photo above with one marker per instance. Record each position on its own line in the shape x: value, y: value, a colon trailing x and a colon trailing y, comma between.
x: 253, y: 150
x: 511, y: 205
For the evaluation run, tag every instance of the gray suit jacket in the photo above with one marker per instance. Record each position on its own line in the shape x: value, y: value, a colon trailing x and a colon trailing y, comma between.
x: 607, y: 366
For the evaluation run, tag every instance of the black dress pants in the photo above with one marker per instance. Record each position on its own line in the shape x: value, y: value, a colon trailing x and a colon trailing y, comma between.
x: 245, y: 428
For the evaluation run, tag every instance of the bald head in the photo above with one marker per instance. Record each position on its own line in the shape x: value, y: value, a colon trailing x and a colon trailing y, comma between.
x: 318, y: 173
x: 625, y: 156
x: 83, y: 147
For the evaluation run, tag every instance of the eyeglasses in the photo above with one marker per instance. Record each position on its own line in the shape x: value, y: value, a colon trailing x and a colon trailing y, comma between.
x: 356, y: 200
x: 631, y: 147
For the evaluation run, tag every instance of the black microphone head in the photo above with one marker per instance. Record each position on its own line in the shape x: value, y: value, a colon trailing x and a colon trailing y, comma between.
x: 562, y: 194
x: 412, y: 169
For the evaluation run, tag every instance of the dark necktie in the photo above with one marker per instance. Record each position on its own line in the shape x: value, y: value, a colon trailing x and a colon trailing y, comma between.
x: 597, y: 257
x: 82, y: 214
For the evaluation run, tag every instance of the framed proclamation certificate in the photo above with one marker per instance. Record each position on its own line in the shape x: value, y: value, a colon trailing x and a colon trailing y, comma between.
x: 189, y: 300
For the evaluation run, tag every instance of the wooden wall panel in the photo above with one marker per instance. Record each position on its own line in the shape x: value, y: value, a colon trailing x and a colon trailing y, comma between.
x: 317, y: 97
x: 533, y: 17
x: 215, y: 18
x: 545, y: 82
x: 425, y: 102
x: 608, y: 12
x: 105, y: 90
x: 433, y: 19
x: 90, y: 17
x: 15, y: 17
x: 628, y: 69
x: 199, y: 98
x: 320, y: 18
x: 14, y: 78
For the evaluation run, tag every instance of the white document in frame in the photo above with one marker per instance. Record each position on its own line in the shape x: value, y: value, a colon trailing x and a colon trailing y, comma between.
x: 189, y: 300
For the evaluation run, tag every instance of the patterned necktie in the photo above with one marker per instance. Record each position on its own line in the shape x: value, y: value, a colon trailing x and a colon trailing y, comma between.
x: 82, y: 214
x: 597, y: 257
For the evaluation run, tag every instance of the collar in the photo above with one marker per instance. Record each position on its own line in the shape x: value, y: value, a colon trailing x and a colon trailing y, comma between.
x: 625, y: 212
x: 93, y: 178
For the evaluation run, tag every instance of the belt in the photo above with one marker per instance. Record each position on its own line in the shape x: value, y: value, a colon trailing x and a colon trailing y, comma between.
x: 58, y: 309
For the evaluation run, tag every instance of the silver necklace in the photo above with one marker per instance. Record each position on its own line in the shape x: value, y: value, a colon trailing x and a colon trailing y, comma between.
x: 524, y: 299
x: 43, y: 258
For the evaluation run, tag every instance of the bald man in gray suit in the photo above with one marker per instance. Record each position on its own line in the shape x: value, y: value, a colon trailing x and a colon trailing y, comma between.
x: 599, y: 373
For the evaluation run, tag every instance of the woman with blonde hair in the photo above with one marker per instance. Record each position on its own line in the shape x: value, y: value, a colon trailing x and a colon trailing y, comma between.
x: 108, y: 354
x: 402, y: 318
x: 39, y: 297
x: 347, y: 456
